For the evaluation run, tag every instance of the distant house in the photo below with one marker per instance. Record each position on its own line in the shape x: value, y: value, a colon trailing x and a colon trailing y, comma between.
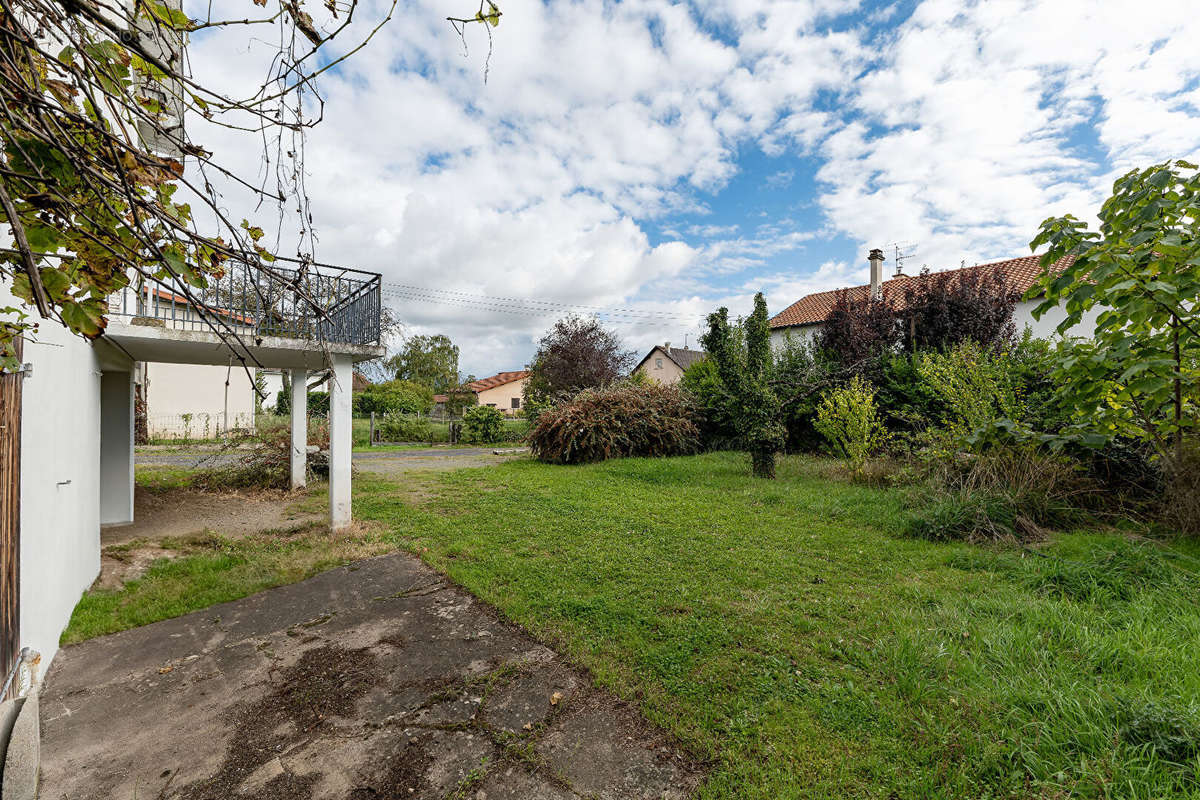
x: 803, y: 319
x: 502, y: 390
x: 667, y: 364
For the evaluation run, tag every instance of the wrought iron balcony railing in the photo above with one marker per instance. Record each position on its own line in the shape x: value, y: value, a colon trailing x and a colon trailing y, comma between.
x: 319, y: 304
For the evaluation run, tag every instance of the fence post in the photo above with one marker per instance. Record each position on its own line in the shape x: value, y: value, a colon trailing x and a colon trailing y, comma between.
x: 371, y: 435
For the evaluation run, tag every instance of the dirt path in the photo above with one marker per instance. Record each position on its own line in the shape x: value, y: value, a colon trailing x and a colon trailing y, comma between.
x: 180, y: 512
x: 377, y: 680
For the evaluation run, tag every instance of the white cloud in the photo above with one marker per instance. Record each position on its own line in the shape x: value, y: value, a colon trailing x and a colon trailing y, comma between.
x: 957, y: 128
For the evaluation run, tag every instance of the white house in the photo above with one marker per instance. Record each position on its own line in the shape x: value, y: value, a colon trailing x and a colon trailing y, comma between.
x: 73, y: 422
x: 803, y: 319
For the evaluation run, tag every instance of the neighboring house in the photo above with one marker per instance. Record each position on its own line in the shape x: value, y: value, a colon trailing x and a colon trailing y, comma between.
x: 667, y: 364
x: 67, y: 427
x: 503, y: 390
x: 191, y: 400
x: 803, y: 319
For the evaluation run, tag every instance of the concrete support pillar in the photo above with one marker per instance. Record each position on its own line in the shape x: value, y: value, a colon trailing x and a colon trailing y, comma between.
x: 116, y: 448
x: 299, y: 427
x: 341, y: 440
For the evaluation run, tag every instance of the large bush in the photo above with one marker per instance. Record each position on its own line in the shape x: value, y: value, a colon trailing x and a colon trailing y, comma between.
x: 622, y: 420
x: 394, y: 397
x: 482, y: 424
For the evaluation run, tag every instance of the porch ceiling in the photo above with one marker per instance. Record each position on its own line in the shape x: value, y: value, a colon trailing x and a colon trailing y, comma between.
x: 161, y: 344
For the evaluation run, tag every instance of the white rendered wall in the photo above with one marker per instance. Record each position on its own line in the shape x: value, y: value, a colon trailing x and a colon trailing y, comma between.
x: 197, y: 390
x: 116, y: 448
x: 60, y: 482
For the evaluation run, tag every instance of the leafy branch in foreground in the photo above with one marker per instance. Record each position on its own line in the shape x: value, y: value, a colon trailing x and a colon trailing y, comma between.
x: 93, y: 185
x: 1139, y: 373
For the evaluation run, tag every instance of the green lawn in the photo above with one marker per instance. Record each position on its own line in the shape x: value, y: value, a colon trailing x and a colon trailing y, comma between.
x: 786, y: 632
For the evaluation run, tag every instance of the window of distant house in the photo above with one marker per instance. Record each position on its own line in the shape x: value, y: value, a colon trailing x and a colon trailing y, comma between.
x: 491, y: 405
x: 516, y: 402
x: 658, y: 363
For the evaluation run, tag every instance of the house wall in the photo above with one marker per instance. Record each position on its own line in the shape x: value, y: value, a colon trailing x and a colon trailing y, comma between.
x: 199, y: 390
x: 661, y: 368
x: 502, y: 396
x: 116, y: 448
x: 60, y: 479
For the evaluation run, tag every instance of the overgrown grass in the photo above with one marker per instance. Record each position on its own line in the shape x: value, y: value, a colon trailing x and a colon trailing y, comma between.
x: 215, y: 569
x: 788, y: 632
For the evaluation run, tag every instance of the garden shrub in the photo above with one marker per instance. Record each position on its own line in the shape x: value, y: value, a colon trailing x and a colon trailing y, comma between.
x: 482, y: 424
x: 618, y: 421
x: 393, y: 397
x: 849, y: 420
x: 976, y: 385
x: 702, y: 382
x: 268, y: 462
x: 317, y: 404
x: 405, y: 428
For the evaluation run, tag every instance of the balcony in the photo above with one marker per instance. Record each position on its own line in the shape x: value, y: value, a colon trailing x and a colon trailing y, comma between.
x: 289, y: 318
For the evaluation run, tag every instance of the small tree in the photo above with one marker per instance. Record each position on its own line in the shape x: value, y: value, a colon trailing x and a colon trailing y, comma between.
x: 943, y: 309
x: 745, y: 374
x: 859, y: 328
x: 575, y: 354
x: 1140, y: 373
x: 850, y: 421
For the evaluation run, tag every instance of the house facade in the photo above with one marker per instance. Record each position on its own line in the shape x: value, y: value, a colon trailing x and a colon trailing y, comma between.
x: 666, y: 364
x: 71, y: 426
x: 802, y: 320
x: 504, y: 391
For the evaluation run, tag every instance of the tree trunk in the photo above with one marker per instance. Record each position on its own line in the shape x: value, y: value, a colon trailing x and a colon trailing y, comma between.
x: 762, y: 463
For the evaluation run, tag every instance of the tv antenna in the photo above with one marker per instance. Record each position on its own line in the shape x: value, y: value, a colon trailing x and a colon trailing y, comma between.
x: 902, y: 252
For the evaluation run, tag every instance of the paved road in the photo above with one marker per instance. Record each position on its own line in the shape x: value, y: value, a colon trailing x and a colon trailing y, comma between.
x: 377, y: 680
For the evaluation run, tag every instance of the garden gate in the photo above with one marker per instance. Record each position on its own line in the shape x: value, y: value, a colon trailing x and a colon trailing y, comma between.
x: 10, y: 516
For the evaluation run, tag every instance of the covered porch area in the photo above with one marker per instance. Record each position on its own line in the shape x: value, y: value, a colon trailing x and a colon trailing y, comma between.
x: 141, y: 340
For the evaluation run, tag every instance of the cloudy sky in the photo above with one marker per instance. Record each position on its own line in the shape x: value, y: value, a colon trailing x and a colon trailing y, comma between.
x: 654, y: 160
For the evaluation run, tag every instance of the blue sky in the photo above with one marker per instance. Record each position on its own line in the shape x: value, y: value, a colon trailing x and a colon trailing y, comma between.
x: 670, y: 158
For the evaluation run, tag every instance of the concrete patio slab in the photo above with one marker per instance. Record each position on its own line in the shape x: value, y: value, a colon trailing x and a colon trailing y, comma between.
x: 378, y: 680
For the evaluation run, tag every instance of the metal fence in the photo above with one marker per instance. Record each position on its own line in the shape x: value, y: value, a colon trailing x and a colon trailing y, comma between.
x: 325, y: 304
x: 197, y: 426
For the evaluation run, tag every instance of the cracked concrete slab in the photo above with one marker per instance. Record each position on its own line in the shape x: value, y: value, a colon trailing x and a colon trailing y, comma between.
x: 377, y: 680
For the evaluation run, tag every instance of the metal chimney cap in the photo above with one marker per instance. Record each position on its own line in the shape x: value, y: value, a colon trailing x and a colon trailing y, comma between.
x: 875, y: 254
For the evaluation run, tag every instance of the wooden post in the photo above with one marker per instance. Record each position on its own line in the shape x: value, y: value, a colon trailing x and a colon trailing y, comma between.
x: 371, y: 434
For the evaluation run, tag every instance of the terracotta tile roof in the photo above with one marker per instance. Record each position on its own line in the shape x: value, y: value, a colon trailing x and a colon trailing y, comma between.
x: 1021, y: 273
x: 499, y: 379
x: 441, y: 398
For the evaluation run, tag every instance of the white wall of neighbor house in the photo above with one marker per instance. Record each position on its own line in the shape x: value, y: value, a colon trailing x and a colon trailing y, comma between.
x: 198, y: 390
x: 506, y: 397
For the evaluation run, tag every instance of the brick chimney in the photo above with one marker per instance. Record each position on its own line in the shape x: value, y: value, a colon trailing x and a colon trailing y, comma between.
x: 876, y: 260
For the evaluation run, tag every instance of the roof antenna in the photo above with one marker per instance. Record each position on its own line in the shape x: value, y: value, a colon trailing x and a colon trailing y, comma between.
x: 903, y: 251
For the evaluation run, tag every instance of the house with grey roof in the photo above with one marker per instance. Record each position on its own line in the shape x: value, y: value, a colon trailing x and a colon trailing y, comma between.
x: 666, y: 364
